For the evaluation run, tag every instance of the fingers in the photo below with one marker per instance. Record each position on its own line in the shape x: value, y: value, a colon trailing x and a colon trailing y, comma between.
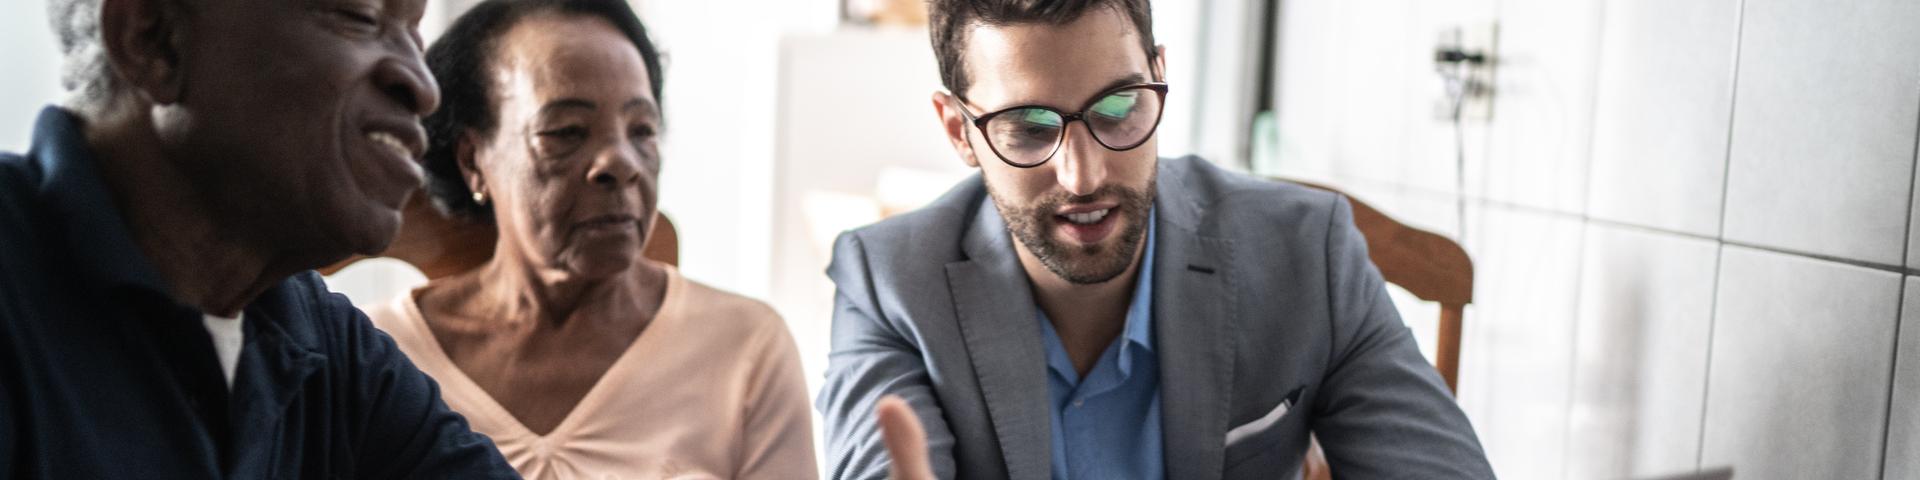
x: 906, y: 441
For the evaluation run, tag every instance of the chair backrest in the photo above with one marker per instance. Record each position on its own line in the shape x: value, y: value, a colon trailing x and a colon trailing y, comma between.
x: 1426, y: 264
x: 441, y: 246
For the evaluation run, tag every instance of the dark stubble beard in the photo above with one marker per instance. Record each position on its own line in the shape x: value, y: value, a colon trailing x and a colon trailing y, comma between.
x: 1080, y: 264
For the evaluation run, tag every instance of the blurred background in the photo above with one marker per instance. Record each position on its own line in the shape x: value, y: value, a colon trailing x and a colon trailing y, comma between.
x: 1690, y: 221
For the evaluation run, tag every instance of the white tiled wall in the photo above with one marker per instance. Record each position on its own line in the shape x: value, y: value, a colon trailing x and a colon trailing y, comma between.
x: 1802, y: 351
x: 1519, y: 393
x: 1690, y: 221
x: 1537, y: 150
x: 1825, y: 110
x: 1639, y: 372
x: 1662, y: 113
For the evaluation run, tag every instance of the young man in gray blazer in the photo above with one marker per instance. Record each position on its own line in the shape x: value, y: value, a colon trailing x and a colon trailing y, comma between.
x: 1084, y: 310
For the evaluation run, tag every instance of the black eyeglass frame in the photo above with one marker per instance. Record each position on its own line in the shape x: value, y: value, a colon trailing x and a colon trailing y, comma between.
x: 980, y: 122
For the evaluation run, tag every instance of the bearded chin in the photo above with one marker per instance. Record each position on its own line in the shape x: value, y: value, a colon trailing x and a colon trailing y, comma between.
x: 1081, y: 264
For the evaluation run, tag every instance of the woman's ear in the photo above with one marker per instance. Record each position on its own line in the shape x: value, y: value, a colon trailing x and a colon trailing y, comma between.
x: 143, y: 41
x: 466, y: 154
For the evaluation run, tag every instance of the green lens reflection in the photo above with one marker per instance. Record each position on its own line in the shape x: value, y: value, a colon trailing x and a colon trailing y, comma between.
x: 1035, y: 116
x: 1116, y: 105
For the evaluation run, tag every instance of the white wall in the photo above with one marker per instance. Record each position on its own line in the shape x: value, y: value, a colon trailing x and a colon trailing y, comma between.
x: 32, y: 56
x: 1691, y: 221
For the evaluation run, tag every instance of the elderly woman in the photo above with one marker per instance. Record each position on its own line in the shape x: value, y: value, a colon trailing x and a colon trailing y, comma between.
x: 579, y: 357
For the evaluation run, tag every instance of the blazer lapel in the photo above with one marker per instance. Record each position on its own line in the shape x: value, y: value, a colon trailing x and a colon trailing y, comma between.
x: 1194, y: 310
x: 993, y: 301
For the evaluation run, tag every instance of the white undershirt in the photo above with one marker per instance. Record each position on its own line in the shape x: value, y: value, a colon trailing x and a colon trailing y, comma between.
x: 227, y: 339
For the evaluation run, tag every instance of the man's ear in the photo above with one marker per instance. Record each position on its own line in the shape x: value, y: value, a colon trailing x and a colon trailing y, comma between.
x: 947, y: 107
x: 466, y: 155
x: 1160, y: 63
x: 143, y: 40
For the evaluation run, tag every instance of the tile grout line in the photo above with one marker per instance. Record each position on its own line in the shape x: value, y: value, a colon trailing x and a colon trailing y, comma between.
x: 1580, y: 250
x: 1548, y: 212
x: 1573, y: 347
x: 1869, y: 265
x: 1720, y: 249
x: 1900, y: 310
x: 1893, y: 374
x: 1706, y: 385
x: 1486, y: 203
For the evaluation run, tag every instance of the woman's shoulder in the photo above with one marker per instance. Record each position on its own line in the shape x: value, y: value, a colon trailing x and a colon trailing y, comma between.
x: 392, y: 316
x: 715, y: 307
x: 399, y: 318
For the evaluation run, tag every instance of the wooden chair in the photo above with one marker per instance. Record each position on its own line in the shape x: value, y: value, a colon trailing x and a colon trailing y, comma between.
x: 1428, y: 265
x: 441, y: 246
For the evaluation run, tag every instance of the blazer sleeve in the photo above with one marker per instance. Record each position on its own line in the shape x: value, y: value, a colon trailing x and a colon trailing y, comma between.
x: 872, y: 357
x: 405, y: 430
x: 1383, y: 412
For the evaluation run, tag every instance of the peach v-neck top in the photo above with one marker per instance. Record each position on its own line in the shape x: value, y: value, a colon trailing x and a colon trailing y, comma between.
x: 711, y: 389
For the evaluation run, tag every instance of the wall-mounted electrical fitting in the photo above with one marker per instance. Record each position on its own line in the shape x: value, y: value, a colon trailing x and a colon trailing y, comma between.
x: 1463, y: 58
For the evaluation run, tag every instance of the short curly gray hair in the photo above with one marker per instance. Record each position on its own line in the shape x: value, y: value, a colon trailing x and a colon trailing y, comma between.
x: 89, y: 81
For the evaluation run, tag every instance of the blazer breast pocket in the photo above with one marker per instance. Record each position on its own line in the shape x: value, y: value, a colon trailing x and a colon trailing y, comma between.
x: 1257, y: 436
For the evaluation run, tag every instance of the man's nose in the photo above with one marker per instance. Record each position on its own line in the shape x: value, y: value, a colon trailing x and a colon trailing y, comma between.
x: 1080, y: 169
x: 406, y: 80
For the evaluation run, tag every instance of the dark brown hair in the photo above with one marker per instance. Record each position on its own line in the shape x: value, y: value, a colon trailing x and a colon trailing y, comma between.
x: 459, y: 62
x: 949, y: 20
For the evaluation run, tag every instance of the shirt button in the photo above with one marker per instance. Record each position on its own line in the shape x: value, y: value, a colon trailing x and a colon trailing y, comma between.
x: 1079, y: 403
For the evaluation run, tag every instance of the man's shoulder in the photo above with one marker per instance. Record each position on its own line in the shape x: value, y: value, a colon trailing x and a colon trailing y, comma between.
x: 313, y: 316
x: 931, y: 234
x: 21, y: 255
x: 19, y: 181
x: 1219, y: 203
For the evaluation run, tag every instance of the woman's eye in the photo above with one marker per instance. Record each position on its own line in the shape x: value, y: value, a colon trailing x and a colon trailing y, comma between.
x: 559, y: 142
x: 565, y: 133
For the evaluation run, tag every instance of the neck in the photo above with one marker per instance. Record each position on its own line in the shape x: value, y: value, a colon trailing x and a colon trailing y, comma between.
x: 512, y: 288
x: 1090, y: 314
x: 207, y: 263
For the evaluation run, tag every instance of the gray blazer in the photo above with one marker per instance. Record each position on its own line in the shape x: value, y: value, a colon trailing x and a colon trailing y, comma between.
x: 1269, y: 321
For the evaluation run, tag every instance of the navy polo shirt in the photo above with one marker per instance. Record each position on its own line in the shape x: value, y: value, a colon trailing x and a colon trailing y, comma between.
x: 103, y: 375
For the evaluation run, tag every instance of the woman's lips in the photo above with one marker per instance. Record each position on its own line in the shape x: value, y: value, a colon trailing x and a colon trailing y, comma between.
x: 609, y: 224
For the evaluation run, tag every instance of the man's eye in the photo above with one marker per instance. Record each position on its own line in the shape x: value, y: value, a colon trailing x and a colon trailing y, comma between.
x: 641, y: 131
x: 357, y: 17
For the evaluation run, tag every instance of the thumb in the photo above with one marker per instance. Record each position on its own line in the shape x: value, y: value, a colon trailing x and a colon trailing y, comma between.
x: 906, y: 441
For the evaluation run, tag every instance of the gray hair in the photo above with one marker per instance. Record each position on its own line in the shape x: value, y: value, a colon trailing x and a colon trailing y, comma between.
x: 88, y: 79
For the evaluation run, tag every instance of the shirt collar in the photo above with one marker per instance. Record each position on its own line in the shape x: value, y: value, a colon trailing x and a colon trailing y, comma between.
x: 71, y: 188
x: 1138, y: 330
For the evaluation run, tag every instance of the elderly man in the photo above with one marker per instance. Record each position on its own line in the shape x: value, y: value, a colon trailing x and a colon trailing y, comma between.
x: 157, y: 319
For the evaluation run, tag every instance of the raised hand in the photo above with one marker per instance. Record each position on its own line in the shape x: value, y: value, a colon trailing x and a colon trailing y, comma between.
x: 906, y: 441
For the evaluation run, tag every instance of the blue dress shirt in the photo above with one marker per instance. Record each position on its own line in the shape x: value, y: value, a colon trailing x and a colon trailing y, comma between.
x: 1107, y: 425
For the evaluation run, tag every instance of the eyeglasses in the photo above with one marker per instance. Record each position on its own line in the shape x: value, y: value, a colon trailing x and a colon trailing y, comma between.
x: 1026, y: 136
